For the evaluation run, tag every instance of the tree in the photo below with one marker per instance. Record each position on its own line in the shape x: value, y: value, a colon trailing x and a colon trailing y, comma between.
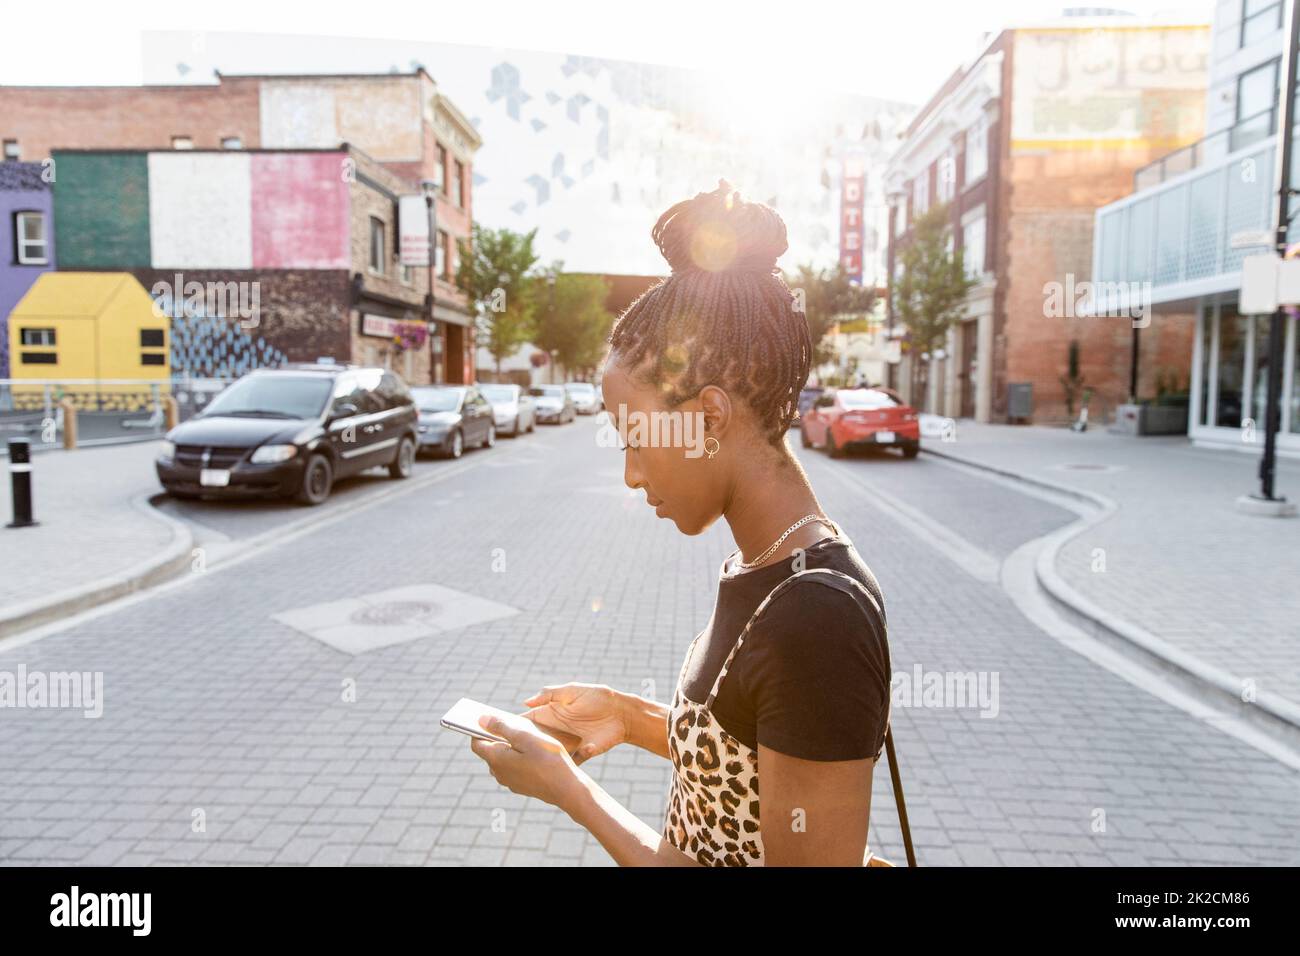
x: 931, y: 293
x: 493, y: 273
x: 827, y: 295
x: 572, y: 321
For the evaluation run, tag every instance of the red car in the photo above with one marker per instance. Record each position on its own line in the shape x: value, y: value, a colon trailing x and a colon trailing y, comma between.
x: 850, y: 417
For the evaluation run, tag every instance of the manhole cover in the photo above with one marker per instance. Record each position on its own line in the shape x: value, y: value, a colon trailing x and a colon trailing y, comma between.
x: 394, y: 613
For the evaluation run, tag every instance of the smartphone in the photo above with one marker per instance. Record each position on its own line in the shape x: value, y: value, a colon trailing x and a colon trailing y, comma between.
x: 464, y: 714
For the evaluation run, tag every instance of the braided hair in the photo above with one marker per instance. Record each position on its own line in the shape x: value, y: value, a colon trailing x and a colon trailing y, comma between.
x: 725, y: 316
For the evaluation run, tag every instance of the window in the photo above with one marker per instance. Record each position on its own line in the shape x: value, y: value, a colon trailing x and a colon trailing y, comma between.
x: 946, y: 177
x: 182, y: 142
x: 152, y: 358
x: 37, y: 337
x: 977, y: 150
x: 458, y: 184
x: 1259, y: 18
x: 900, y: 217
x: 12, y: 152
x: 152, y: 338
x: 440, y: 170
x: 406, y: 274
x: 231, y: 142
x: 972, y: 247
x: 30, y: 240
x: 1257, y: 90
x: 376, y: 246
x: 921, y: 193
x: 1233, y: 330
x: 39, y: 358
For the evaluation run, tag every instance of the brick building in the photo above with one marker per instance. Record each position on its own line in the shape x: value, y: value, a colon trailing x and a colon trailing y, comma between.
x: 258, y: 256
x: 1048, y: 123
x: 415, y: 139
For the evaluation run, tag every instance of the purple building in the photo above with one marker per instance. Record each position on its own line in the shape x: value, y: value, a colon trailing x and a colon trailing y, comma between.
x: 26, y: 239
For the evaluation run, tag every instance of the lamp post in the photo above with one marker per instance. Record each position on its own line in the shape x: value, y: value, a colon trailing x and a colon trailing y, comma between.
x: 430, y: 189
x: 1272, y: 411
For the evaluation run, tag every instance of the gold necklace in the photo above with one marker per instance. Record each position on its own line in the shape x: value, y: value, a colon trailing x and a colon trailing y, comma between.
x: 747, y: 565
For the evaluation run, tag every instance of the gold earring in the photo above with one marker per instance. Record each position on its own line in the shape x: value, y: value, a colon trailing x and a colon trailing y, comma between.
x: 717, y: 446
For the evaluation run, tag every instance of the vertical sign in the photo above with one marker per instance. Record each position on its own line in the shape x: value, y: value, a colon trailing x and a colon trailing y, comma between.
x: 852, y: 199
x: 413, y: 230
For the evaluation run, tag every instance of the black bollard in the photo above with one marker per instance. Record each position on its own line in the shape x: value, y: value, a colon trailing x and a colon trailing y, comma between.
x: 20, y: 476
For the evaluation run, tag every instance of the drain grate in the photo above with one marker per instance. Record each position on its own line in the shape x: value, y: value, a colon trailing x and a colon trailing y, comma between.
x: 394, y: 613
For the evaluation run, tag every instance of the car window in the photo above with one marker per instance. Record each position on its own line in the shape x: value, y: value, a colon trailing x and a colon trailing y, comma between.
x: 499, y: 393
x: 393, y: 391
x: 868, y: 399
x: 352, y: 388
x: 437, y: 399
x: 272, y: 396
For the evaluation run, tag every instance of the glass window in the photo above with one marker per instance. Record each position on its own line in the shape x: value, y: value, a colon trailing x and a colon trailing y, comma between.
x: 1257, y: 90
x: 458, y: 184
x: 38, y: 337
x: 33, y: 245
x: 12, y: 151
x: 1207, y: 339
x: 231, y: 142
x: 1233, y: 329
x: 438, y: 399
x: 440, y: 169
x: 977, y: 150
x: 152, y: 338
x: 1259, y: 19
x: 865, y: 398
x: 376, y: 246
x: 182, y: 142
x: 272, y: 396
x: 945, y: 177
x: 1259, y: 381
x: 972, y: 241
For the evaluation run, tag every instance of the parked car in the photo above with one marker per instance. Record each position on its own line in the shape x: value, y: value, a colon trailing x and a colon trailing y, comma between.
x: 585, y: 399
x: 554, y: 404
x: 807, y: 396
x: 859, y: 417
x: 453, y: 418
x: 292, y: 432
x: 512, y: 408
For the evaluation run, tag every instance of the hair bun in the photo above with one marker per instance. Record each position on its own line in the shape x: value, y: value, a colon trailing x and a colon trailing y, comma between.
x: 720, y: 232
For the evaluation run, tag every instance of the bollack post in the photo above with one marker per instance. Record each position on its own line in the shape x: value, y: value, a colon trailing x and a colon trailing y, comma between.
x: 20, y: 477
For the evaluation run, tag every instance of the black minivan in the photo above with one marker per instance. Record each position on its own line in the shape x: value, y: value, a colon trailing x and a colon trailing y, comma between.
x: 292, y: 432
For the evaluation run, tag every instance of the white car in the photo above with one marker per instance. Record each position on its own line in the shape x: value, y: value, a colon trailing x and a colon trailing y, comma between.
x: 512, y: 408
x: 584, y: 396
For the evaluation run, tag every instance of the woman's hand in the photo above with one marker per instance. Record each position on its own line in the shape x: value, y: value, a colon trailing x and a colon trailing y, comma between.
x: 530, y: 763
x: 595, y: 714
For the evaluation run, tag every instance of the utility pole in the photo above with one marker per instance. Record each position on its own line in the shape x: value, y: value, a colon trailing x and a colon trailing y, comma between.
x: 1277, y: 328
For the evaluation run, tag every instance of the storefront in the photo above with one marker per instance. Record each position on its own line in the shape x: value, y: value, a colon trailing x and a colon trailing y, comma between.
x: 1230, y: 379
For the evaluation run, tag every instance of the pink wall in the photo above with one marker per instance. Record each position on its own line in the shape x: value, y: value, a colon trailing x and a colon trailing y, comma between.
x: 300, y: 211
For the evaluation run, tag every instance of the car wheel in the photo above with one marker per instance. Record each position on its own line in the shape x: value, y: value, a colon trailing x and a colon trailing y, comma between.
x: 831, y: 448
x: 404, y: 461
x: 803, y: 438
x: 457, y: 446
x: 532, y: 424
x: 491, y: 438
x: 317, y: 479
x: 911, y: 450
x: 517, y: 430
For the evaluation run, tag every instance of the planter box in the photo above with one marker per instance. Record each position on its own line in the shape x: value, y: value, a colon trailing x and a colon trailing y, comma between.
x: 1150, y: 420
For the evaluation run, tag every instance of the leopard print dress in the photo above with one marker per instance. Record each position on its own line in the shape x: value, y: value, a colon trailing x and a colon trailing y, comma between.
x: 713, y: 806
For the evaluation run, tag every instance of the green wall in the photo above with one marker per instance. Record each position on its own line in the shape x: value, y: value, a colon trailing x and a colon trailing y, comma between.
x: 101, y: 208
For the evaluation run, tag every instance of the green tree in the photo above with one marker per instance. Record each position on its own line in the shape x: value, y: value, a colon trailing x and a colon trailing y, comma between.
x: 931, y: 293
x: 572, y: 321
x: 493, y: 273
x: 827, y: 296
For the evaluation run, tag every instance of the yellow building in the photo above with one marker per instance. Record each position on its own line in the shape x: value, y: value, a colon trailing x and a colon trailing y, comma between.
x: 72, y: 327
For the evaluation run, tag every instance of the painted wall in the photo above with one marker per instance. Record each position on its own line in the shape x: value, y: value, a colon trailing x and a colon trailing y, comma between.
x: 379, y: 114
x: 200, y: 212
x: 101, y: 201
x: 21, y: 189
x: 299, y: 211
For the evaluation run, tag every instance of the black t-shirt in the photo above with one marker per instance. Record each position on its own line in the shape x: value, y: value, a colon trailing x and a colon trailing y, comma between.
x: 812, y: 679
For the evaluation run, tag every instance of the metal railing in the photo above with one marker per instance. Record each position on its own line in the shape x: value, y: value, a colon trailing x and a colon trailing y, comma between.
x: 108, y: 411
x: 1209, y: 149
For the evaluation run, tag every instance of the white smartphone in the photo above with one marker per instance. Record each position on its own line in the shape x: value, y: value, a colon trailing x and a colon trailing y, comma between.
x: 463, y: 718
x: 464, y: 714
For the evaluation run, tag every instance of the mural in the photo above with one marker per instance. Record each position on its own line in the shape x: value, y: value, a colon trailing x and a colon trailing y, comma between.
x: 212, y: 346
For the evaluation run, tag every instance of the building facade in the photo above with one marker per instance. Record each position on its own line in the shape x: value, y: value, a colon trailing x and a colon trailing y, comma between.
x: 1175, y: 244
x: 1044, y: 126
x: 257, y: 257
x: 414, y: 139
x: 26, y: 239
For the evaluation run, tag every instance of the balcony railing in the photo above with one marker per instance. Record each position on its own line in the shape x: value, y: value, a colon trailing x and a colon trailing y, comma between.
x: 1211, y: 149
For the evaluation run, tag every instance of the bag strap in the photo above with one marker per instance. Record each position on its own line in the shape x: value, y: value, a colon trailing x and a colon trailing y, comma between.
x: 841, y: 580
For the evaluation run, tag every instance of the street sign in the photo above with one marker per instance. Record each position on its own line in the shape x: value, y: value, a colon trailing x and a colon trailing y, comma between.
x: 1268, y: 282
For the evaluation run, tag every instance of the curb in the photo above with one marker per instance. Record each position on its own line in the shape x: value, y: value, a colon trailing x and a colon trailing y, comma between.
x: 1268, y: 711
x: 174, y: 557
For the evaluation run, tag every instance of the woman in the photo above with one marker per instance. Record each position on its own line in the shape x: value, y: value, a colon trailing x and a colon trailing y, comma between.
x: 789, y: 682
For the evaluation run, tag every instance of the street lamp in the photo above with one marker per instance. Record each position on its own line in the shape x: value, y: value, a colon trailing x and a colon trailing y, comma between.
x: 429, y: 189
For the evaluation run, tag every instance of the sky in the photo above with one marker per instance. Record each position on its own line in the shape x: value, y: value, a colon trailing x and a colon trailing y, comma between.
x: 900, y: 51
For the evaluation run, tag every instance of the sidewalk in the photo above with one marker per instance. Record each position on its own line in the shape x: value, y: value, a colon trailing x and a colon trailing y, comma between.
x: 1174, y: 558
x: 97, y: 537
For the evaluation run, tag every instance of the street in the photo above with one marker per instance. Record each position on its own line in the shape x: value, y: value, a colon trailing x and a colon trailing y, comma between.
x: 229, y: 735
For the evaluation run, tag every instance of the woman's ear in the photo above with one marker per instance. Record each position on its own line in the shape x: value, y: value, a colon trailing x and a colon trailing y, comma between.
x: 715, y: 405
